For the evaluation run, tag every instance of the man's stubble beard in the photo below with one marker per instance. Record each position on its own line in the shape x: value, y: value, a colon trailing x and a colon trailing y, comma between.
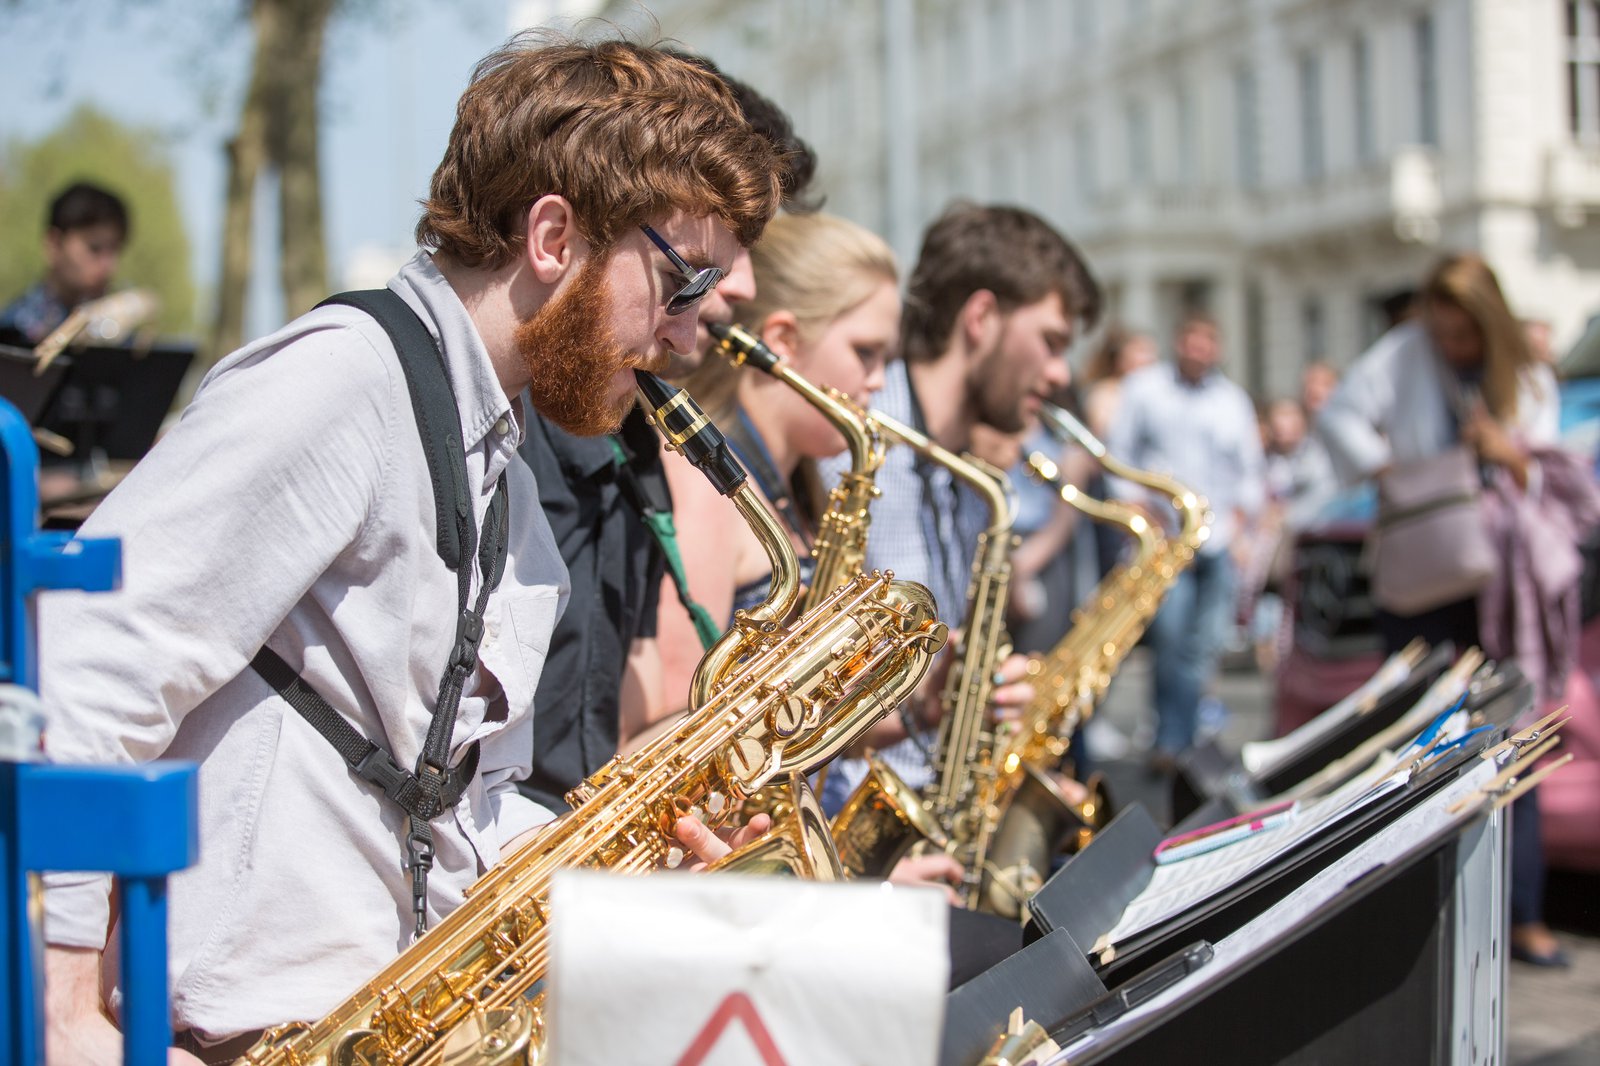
x: 572, y: 356
x: 999, y: 400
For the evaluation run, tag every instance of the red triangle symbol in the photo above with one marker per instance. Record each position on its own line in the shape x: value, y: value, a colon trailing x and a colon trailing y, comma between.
x: 737, y: 1007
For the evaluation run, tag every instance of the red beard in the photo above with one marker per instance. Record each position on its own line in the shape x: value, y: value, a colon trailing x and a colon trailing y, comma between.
x: 572, y: 356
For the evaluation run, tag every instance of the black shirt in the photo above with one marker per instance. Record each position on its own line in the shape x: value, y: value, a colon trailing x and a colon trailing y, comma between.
x: 615, y: 567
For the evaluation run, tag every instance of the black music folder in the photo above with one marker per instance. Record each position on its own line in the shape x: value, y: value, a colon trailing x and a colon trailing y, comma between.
x: 30, y: 392
x: 113, y: 400
x: 1049, y: 979
x: 1206, y: 774
x: 1369, y: 963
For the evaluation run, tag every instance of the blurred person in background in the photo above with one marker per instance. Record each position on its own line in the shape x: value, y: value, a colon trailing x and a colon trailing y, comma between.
x: 1120, y: 352
x: 1460, y: 372
x: 85, y: 232
x: 1298, y: 479
x: 1317, y: 382
x: 1537, y: 332
x: 1187, y: 419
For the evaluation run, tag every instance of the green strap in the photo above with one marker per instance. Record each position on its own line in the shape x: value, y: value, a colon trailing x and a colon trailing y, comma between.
x: 661, y: 526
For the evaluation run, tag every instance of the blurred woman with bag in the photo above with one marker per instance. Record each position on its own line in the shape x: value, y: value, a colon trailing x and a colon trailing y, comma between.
x: 1477, y: 507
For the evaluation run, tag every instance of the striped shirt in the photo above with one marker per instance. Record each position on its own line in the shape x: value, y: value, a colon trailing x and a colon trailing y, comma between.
x: 925, y: 527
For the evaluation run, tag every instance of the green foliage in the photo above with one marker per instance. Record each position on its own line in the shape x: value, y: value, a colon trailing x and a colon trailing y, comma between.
x: 92, y: 146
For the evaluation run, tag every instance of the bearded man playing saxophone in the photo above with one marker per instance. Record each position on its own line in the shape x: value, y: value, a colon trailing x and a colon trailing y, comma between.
x: 292, y: 506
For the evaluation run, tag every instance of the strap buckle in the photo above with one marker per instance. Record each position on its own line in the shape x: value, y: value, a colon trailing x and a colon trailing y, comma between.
x: 377, y: 767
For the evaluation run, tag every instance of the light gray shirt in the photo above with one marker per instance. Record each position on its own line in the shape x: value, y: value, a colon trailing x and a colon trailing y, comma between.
x: 925, y: 528
x: 291, y: 505
x: 1202, y: 433
x: 1392, y: 407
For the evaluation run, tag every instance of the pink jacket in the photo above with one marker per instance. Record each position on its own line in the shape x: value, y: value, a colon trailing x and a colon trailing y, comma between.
x: 1529, y: 611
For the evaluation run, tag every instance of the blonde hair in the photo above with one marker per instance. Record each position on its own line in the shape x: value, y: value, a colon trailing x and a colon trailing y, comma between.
x: 1465, y: 281
x: 814, y: 266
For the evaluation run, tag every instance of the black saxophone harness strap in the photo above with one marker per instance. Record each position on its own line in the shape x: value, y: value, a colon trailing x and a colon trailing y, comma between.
x: 434, y: 787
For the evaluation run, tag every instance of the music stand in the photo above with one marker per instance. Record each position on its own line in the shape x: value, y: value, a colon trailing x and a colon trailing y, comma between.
x: 29, y: 393
x: 113, y: 400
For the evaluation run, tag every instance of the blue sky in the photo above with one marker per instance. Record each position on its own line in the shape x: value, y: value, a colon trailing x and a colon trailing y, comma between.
x: 393, y: 71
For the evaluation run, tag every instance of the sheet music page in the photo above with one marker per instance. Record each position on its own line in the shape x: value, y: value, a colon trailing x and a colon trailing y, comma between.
x: 1178, y: 886
x: 1261, y: 758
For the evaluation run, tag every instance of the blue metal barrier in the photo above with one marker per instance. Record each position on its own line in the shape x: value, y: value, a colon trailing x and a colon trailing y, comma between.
x: 136, y: 822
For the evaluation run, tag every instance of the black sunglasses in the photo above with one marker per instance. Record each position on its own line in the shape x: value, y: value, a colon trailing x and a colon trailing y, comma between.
x: 698, y: 282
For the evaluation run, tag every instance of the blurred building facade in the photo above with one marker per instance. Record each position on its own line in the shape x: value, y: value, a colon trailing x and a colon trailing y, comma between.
x: 1285, y: 165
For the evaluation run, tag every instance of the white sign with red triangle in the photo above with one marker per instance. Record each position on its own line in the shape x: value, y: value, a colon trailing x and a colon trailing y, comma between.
x: 722, y: 970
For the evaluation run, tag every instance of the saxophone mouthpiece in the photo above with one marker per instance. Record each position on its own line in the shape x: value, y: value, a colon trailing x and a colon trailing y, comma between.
x: 687, y: 429
x: 741, y: 346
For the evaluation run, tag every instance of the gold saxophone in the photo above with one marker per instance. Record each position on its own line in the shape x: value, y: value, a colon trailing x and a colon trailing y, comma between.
x: 792, y: 697
x: 884, y: 818
x: 840, y: 549
x: 1034, y: 820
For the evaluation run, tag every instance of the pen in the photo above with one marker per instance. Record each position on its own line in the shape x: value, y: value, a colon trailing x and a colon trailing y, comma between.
x: 1213, y: 841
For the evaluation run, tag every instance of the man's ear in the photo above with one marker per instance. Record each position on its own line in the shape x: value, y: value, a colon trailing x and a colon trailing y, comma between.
x: 781, y: 333
x: 552, y: 244
x: 979, y: 321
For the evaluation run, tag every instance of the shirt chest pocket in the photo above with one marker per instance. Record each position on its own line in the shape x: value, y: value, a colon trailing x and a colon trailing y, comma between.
x: 517, y: 642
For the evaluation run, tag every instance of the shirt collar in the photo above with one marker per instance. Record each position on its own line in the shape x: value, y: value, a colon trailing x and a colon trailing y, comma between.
x: 580, y: 457
x: 480, y: 402
x: 1198, y: 386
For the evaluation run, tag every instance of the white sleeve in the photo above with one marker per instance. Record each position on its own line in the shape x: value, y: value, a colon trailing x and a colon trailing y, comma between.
x: 225, y: 525
x: 1351, y: 424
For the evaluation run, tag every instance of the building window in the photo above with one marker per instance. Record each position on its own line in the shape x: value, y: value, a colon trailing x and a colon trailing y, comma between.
x: 1583, y: 69
x: 1246, y: 136
x: 1313, y: 335
x: 1361, y: 81
x: 1427, y: 68
x: 1255, y: 338
x: 1083, y: 161
x: 1309, y: 71
x: 1186, y: 168
x: 1085, y: 24
x: 1137, y: 122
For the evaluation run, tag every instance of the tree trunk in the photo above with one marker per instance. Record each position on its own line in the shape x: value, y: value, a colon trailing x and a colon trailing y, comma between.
x: 303, y: 253
x: 247, y: 154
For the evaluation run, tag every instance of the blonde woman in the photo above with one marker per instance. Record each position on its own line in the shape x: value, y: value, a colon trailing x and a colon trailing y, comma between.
x: 827, y: 302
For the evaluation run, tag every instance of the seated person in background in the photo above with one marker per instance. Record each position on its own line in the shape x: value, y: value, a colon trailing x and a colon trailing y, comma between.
x: 83, y: 240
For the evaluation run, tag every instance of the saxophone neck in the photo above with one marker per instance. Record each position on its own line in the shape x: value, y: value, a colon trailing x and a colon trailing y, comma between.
x: 686, y: 429
x: 1109, y: 512
x: 987, y: 481
x: 1193, y: 513
x: 743, y: 348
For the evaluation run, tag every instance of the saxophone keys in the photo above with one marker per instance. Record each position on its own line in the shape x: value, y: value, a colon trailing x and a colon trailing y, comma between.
x: 748, y: 761
x: 674, y: 857
x: 789, y: 715
x: 496, y: 1036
